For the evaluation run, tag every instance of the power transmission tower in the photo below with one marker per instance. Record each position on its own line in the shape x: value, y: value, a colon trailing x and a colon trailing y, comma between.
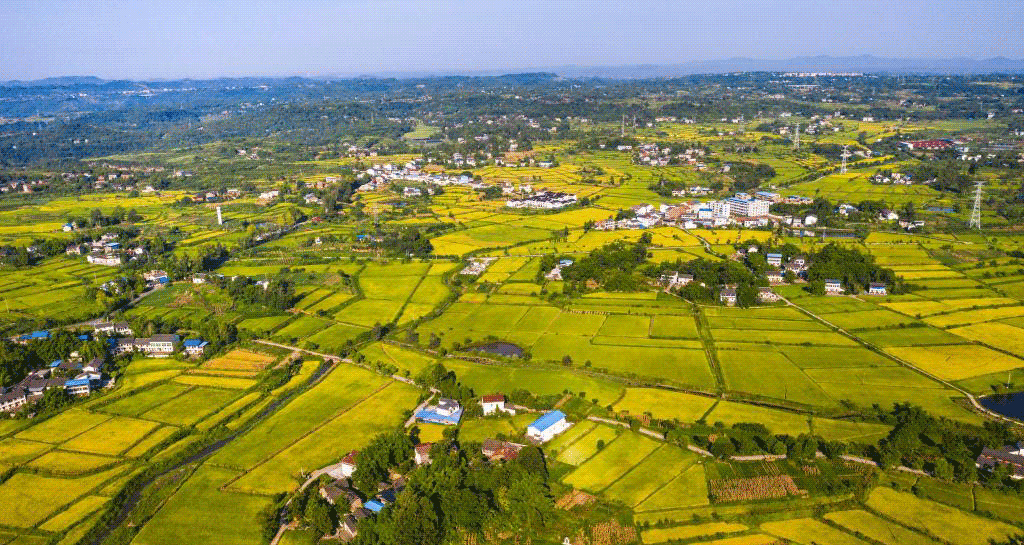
x: 622, y: 132
x: 976, y: 211
x: 796, y: 138
x: 845, y: 155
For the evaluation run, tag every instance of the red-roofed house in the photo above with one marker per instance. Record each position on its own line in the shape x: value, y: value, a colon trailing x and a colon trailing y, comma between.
x: 423, y: 453
x: 493, y: 403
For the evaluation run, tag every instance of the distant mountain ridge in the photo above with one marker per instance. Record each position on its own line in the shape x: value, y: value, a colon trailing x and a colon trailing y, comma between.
x: 866, y: 64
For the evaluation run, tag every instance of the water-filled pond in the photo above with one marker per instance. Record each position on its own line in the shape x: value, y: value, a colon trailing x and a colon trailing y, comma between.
x: 1011, y: 405
x: 501, y: 349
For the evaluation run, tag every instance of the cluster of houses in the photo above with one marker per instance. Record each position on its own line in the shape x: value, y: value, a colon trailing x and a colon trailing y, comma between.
x: 161, y: 345
x: 216, y: 196
x: 381, y: 176
x: 653, y: 155
x: 546, y: 200
x: 73, y: 375
x: 477, y: 265
x: 23, y: 186
x: 81, y: 378
x: 105, y: 251
x: 895, y: 178
x: 741, y: 209
x: 340, y: 493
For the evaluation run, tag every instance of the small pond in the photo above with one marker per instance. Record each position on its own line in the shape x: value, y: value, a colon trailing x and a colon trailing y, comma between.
x: 501, y: 349
x: 1011, y: 405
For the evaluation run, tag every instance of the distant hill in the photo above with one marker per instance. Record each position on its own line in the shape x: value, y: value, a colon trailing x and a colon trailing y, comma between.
x: 62, y: 81
x: 867, y: 64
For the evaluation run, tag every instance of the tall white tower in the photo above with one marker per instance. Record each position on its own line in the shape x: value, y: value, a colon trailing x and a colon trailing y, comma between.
x: 845, y: 155
x: 220, y: 217
x: 796, y: 137
x: 976, y: 211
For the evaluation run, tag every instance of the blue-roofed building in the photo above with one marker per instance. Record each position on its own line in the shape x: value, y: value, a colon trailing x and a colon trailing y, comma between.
x: 78, y: 386
x: 84, y: 337
x: 548, y: 426
x: 775, y: 260
x: 446, y: 411
x: 39, y: 335
x: 565, y: 262
x: 194, y: 347
x: 374, y: 505
x: 56, y: 363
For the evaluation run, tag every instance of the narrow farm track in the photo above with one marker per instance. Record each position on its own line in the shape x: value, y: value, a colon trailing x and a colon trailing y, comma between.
x: 974, y: 401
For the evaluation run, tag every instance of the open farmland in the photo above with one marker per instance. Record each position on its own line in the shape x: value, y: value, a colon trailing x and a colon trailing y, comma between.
x: 343, y: 290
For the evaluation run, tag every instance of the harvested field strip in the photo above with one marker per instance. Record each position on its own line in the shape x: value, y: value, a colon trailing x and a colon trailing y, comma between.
x: 309, y: 432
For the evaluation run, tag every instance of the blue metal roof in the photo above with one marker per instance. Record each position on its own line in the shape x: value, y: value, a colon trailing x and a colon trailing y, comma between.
x: 193, y: 342
x: 40, y: 334
x: 775, y: 255
x: 76, y: 382
x: 55, y: 363
x: 374, y: 505
x: 437, y: 418
x: 548, y: 420
x: 83, y: 337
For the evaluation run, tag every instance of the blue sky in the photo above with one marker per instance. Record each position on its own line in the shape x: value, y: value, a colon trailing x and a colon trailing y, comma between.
x: 187, y: 38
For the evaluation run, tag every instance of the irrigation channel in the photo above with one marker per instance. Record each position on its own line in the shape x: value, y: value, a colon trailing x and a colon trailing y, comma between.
x: 128, y: 505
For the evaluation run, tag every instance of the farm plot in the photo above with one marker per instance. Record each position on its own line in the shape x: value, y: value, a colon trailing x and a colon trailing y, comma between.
x: 612, y: 462
x: 688, y: 489
x: 189, y: 408
x: 956, y: 362
x: 145, y: 400
x: 798, y: 530
x: 586, y: 446
x: 240, y: 360
x: 328, y: 443
x: 563, y: 440
x: 967, y: 317
x: 75, y: 513
x: 691, y: 531
x: 770, y: 374
x: 302, y: 327
x: 877, y: 528
x: 911, y: 336
x: 779, y: 422
x: 26, y: 499
x: 948, y: 523
x: 654, y: 472
x: 683, y: 366
x: 489, y: 378
x: 15, y: 451
x: 674, y: 327
x: 216, y: 382
x: 342, y: 388
x: 113, y: 436
x: 823, y: 338
x: 63, y: 426
x: 200, y: 513
x: 996, y: 334
x: 870, y: 319
x: 59, y: 462
x: 664, y: 404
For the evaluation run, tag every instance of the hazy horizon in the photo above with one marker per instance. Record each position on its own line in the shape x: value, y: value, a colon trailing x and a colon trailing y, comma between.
x: 230, y: 38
